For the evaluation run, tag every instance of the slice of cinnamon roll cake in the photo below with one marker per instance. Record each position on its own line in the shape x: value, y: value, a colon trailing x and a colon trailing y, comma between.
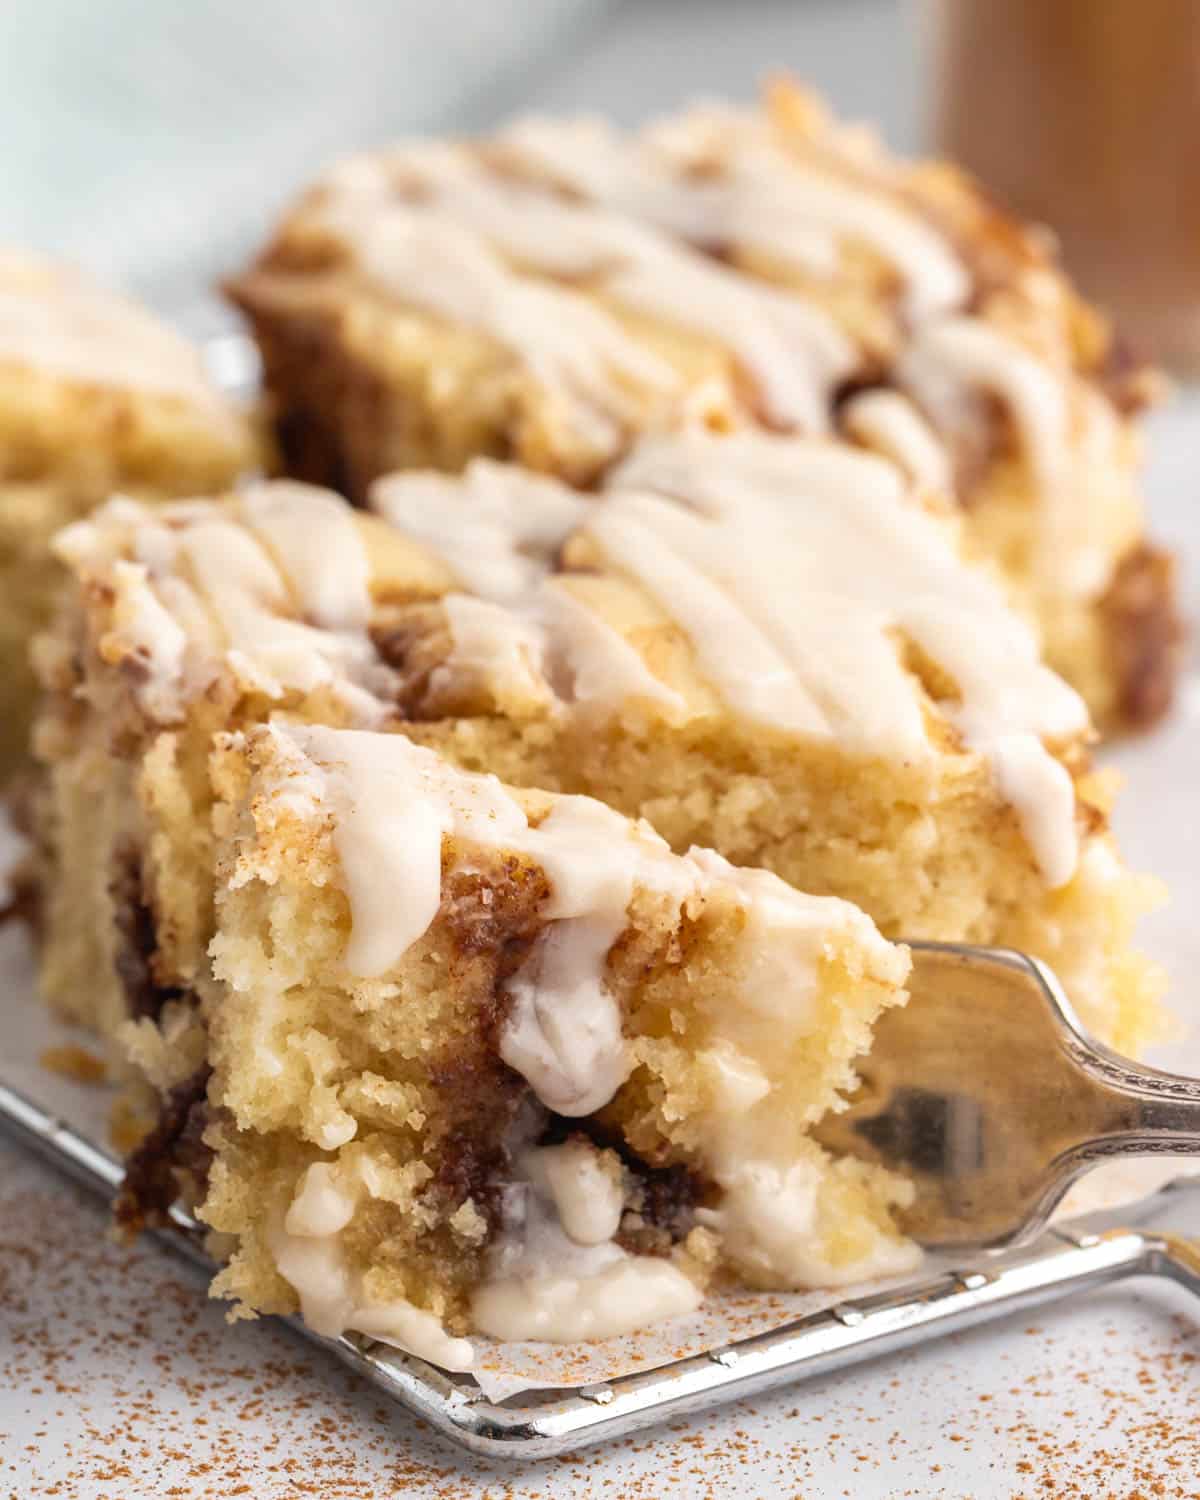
x: 555, y: 291
x: 428, y: 1054
x: 96, y: 395
x: 336, y: 839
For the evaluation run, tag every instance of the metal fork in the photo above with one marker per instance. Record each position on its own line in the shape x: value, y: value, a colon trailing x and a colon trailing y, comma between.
x: 989, y: 1095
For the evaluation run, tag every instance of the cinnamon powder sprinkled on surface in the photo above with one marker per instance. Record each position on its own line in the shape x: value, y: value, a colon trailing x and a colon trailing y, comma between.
x: 118, y: 1381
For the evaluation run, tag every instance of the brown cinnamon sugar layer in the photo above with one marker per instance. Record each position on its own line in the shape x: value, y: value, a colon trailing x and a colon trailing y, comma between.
x: 137, y: 943
x: 1144, y: 633
x: 174, y: 1145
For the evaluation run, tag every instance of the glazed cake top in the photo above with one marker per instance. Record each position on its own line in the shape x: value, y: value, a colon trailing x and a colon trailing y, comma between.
x: 820, y: 264
x: 55, y: 322
x: 801, y: 574
x: 797, y: 570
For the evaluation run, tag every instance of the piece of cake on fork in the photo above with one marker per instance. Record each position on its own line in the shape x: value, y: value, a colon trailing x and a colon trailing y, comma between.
x: 554, y: 292
x: 428, y: 1054
x: 96, y: 395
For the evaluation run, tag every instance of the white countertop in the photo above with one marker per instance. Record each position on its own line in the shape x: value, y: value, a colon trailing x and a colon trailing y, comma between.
x: 118, y: 1380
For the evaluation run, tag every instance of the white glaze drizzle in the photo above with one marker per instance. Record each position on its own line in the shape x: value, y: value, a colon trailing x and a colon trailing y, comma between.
x: 749, y: 192
x: 499, y: 529
x: 563, y: 1032
x: 945, y: 354
x: 500, y: 645
x: 55, y: 320
x: 316, y: 545
x: 820, y: 551
x: 713, y: 179
x: 584, y: 1185
x: 775, y: 1228
x: 1068, y: 432
x: 592, y: 666
x: 555, y: 1272
x: 792, y: 565
x: 424, y: 258
x: 888, y: 422
x: 393, y: 802
x: 308, y: 1253
x: 771, y: 1215
x: 792, y: 349
x: 206, y: 586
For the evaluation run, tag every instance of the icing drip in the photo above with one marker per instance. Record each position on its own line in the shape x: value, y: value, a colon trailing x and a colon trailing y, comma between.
x: 794, y: 566
x: 318, y: 550
x: 453, y: 227
x: 497, y: 527
x: 775, y: 1226
x: 1068, y: 437
x: 555, y: 1272
x: 650, y: 540
x: 595, y: 668
x: 499, y: 644
x: 563, y: 1033
x: 584, y: 1185
x: 818, y: 555
x: 393, y: 802
x: 308, y: 1254
x: 944, y: 355
x: 778, y: 1211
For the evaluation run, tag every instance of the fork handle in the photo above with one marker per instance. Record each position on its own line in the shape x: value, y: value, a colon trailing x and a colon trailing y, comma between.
x: 1148, y: 1112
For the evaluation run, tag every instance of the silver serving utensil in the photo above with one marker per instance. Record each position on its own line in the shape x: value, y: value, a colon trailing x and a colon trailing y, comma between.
x: 988, y: 1094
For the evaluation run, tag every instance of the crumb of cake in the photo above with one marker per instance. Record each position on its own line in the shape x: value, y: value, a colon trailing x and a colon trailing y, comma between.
x: 75, y: 1062
x: 130, y: 1119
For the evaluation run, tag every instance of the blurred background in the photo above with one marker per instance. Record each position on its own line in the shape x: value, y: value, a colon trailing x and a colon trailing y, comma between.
x: 154, y: 140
